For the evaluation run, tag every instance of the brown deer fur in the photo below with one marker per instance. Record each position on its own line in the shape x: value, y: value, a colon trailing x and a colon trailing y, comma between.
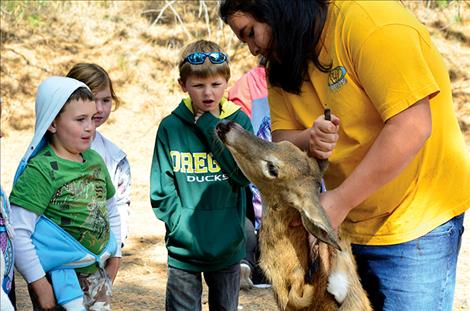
x: 289, y: 182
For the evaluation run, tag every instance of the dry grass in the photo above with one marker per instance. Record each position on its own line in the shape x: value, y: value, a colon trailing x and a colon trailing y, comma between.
x: 123, y: 37
x: 139, y: 45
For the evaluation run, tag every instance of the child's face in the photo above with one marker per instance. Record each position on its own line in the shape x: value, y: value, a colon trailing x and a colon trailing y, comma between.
x: 104, y: 103
x: 205, y: 93
x: 73, y: 130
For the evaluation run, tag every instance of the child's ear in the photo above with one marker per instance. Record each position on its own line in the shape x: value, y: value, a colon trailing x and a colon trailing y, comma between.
x: 182, y: 85
x: 52, y: 128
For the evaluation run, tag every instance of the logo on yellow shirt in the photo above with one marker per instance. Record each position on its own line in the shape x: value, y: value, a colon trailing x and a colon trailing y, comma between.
x: 337, y: 78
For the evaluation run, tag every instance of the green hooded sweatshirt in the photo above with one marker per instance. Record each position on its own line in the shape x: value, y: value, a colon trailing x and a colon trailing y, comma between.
x: 198, y: 191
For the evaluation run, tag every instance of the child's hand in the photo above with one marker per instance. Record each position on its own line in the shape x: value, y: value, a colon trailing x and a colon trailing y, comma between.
x: 43, y: 290
x: 198, y: 114
x: 112, y: 267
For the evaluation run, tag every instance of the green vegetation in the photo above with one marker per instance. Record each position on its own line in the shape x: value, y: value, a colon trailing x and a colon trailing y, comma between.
x: 26, y: 10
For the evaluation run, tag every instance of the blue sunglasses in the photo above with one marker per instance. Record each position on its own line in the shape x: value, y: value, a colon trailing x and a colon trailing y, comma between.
x: 199, y: 58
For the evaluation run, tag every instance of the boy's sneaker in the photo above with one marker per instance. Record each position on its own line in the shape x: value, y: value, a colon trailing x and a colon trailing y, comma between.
x: 245, y: 276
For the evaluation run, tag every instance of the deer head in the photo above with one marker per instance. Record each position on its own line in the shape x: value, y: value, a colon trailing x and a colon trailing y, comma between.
x: 282, y: 173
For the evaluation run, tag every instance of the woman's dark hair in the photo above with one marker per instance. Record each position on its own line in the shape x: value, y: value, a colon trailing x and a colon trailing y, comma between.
x: 296, y: 29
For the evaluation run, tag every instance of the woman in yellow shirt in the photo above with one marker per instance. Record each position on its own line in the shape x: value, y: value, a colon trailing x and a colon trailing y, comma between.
x: 399, y: 171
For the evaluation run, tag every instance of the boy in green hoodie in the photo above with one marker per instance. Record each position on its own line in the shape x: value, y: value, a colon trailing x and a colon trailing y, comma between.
x: 197, y: 189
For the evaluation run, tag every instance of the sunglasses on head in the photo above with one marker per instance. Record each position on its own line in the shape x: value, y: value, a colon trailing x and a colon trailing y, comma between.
x: 198, y: 58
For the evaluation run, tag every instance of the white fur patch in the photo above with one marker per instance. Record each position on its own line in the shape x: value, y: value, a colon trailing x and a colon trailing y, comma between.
x: 338, y: 285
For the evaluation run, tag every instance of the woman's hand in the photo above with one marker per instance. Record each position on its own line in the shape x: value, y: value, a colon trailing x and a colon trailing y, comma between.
x: 43, y: 290
x: 318, y: 141
x: 112, y: 267
x: 336, y: 208
x: 323, y: 136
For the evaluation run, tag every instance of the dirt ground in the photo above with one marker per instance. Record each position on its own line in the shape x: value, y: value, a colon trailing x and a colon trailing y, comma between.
x: 140, y: 49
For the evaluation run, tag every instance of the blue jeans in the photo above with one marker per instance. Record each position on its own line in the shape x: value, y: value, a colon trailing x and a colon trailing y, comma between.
x: 184, y: 289
x: 413, y: 276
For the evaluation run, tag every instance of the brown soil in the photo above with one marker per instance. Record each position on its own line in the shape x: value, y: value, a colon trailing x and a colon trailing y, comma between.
x: 140, y: 52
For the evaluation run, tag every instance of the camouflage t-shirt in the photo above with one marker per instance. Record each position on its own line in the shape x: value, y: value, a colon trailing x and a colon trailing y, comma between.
x: 73, y: 195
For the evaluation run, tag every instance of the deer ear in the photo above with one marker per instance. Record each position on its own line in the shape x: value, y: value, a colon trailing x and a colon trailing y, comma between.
x: 317, y: 224
x: 322, y: 164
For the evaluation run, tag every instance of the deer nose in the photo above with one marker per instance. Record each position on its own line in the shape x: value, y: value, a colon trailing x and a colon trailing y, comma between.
x: 222, y: 128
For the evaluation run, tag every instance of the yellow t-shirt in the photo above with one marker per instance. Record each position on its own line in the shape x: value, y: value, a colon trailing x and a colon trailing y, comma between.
x: 383, y: 61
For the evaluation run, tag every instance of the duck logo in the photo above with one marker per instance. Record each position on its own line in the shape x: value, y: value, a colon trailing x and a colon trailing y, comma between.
x: 337, y: 78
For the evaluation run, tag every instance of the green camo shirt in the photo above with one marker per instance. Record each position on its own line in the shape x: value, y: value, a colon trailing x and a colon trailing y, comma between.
x: 73, y: 195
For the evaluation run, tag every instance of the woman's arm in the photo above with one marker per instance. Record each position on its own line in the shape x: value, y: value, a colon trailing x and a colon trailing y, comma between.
x: 394, y: 148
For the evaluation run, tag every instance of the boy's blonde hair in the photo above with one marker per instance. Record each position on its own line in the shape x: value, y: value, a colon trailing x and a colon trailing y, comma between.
x: 95, y: 77
x: 203, y: 70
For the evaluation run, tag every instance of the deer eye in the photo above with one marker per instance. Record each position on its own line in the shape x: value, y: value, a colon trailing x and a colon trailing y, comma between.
x: 272, y: 170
